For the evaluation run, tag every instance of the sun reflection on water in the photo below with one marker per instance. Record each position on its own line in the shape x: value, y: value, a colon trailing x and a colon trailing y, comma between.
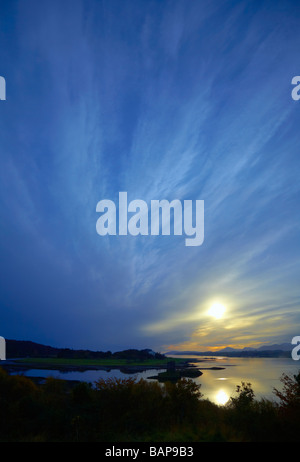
x: 221, y: 397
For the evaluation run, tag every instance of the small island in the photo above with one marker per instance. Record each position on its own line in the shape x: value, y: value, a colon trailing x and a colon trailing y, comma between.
x: 176, y: 374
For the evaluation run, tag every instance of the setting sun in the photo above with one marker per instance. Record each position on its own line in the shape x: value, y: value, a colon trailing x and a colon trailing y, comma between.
x: 217, y: 310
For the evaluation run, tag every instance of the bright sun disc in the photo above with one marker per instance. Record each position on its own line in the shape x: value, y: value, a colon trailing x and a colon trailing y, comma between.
x: 217, y: 310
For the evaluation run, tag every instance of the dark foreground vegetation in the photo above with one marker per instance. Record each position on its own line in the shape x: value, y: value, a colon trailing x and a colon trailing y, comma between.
x: 132, y: 411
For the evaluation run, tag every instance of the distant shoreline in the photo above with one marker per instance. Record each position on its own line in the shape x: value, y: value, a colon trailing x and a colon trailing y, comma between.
x: 176, y: 366
x: 236, y: 354
x: 72, y: 364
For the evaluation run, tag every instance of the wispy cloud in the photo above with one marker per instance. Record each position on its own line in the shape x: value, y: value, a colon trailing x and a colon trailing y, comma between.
x: 164, y: 101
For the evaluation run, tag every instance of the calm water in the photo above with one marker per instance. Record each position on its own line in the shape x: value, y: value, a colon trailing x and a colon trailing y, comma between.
x: 216, y: 385
x: 263, y: 374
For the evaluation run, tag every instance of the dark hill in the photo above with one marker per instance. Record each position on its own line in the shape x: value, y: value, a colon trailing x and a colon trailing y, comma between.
x: 26, y: 348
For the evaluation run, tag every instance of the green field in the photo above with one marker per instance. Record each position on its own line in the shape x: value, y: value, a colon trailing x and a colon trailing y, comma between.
x: 107, y: 362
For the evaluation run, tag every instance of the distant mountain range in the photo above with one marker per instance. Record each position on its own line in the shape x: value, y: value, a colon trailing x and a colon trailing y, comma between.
x: 276, y: 350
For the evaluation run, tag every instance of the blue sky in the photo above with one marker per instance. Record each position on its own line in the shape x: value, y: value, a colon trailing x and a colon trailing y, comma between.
x: 164, y: 100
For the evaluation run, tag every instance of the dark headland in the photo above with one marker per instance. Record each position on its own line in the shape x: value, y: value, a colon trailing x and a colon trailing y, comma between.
x: 22, y: 355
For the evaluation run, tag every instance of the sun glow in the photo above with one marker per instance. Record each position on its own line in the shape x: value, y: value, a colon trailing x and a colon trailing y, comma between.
x: 222, y: 397
x: 217, y: 310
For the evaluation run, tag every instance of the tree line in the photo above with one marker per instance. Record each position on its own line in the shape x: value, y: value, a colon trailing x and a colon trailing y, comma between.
x: 24, y: 348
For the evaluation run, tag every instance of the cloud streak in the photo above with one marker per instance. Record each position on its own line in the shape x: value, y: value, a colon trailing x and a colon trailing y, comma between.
x: 164, y: 101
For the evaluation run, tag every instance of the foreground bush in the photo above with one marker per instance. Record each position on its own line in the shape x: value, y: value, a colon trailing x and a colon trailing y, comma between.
x: 127, y: 410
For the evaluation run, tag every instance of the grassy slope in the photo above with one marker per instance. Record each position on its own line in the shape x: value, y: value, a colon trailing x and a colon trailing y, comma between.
x: 97, y: 362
